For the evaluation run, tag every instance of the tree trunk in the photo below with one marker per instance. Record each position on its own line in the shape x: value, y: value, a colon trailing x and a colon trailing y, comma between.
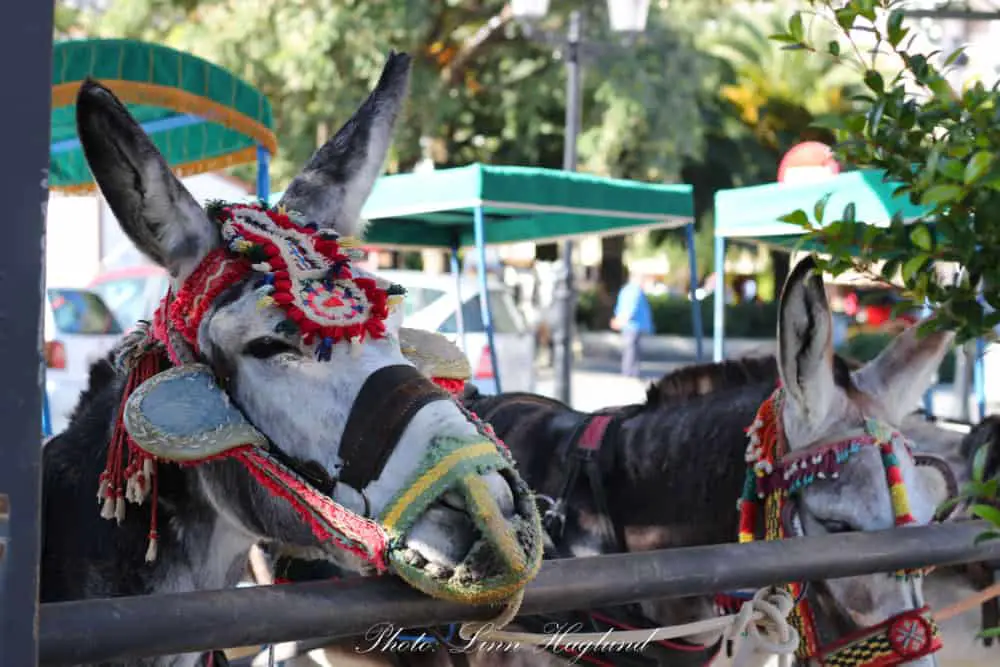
x: 611, y: 276
x: 780, y: 265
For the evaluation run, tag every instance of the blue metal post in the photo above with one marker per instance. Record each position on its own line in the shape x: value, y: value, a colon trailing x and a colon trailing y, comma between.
x: 456, y: 268
x: 46, y: 413
x: 979, y: 378
x: 263, y: 174
x: 719, y: 325
x: 479, y: 225
x: 24, y: 134
x: 699, y: 331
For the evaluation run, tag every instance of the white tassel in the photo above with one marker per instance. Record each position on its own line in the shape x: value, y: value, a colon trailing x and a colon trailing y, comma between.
x: 151, y: 550
x: 102, y: 489
x: 355, y: 347
x: 108, y: 509
x: 120, y: 510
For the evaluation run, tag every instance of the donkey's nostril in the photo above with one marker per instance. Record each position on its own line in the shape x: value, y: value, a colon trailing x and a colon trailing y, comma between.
x: 453, y: 500
x: 500, y: 489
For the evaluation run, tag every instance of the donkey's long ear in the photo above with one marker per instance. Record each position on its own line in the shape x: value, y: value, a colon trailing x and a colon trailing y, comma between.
x: 335, y: 183
x: 904, y: 370
x: 153, y: 208
x: 805, y: 347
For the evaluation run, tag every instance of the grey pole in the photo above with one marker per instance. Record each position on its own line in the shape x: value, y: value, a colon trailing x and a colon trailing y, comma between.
x: 719, y: 300
x: 565, y: 297
x: 24, y: 134
x: 102, y: 630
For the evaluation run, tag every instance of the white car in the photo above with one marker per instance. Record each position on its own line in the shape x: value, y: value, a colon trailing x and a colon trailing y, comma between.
x: 431, y: 304
x: 79, y: 330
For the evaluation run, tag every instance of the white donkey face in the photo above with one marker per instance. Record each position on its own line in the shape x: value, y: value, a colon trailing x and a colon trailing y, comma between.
x: 299, y: 402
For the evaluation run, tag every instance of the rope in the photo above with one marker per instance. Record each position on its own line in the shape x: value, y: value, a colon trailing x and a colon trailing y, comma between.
x: 760, y: 629
x: 969, y: 603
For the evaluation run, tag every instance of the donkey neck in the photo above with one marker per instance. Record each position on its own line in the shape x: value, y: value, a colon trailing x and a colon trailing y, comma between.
x: 86, y: 556
x: 680, y: 468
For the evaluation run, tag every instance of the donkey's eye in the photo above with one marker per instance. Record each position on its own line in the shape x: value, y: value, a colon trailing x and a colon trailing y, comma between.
x: 267, y: 347
x: 832, y: 526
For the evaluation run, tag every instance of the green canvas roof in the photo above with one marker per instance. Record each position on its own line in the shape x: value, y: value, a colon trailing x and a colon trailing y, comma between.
x: 752, y: 213
x: 201, y: 117
x: 437, y: 208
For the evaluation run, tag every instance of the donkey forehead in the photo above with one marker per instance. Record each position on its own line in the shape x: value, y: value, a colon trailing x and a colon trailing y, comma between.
x: 236, y: 316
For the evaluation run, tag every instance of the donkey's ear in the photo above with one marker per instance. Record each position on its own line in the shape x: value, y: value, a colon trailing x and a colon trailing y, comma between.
x: 335, y: 183
x: 904, y: 370
x: 153, y: 208
x: 805, y: 347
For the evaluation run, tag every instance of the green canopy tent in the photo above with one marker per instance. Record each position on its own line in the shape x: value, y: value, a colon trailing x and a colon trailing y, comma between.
x: 201, y: 117
x: 752, y: 214
x: 479, y: 205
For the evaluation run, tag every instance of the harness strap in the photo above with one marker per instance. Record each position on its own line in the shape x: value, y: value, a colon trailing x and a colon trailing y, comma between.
x: 387, y: 402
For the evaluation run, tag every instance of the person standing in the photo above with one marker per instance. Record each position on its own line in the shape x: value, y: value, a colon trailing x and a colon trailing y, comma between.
x: 633, y: 318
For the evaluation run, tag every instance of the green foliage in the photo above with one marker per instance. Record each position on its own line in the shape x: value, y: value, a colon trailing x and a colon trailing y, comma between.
x: 939, y: 143
x: 865, y: 346
x: 672, y: 316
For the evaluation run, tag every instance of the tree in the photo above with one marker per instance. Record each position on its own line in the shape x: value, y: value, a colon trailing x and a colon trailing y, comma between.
x: 940, y: 146
x: 776, y: 93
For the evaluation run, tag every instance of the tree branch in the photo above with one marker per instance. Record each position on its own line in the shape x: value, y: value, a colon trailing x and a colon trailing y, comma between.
x: 453, y: 72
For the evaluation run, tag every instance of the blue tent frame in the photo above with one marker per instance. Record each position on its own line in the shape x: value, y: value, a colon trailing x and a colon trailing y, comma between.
x: 752, y: 214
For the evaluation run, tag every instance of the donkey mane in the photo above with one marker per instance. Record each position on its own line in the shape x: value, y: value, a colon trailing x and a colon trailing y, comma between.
x: 710, y: 377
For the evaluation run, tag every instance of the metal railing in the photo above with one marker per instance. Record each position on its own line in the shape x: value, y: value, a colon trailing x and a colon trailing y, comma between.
x: 109, y: 629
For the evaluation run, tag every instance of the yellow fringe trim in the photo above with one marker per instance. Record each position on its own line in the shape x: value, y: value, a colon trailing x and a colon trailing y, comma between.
x: 194, y: 168
x: 900, y: 502
x: 140, y: 92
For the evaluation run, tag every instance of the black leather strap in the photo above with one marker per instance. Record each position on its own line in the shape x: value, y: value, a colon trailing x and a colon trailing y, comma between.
x: 387, y: 402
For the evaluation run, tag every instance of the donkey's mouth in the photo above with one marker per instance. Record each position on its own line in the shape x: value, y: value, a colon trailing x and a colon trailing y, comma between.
x: 474, y: 535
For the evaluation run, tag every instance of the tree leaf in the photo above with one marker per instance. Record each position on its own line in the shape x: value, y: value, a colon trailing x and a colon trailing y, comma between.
x: 912, y: 265
x: 921, y: 237
x: 987, y: 512
x: 820, y: 208
x: 977, y: 166
x: 797, y: 217
x: 941, y: 194
x: 875, y: 81
x: 795, y: 28
x: 850, y: 212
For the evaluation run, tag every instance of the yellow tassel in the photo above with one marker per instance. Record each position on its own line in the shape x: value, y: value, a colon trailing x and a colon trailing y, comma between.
x: 242, y: 245
x: 348, y: 242
x: 264, y: 302
x: 745, y: 537
x: 395, y: 300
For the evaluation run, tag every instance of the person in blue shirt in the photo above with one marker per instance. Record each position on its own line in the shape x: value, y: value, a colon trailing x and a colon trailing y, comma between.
x: 633, y: 318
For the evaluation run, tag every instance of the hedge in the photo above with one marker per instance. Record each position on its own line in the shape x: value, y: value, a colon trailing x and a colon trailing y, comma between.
x: 672, y: 316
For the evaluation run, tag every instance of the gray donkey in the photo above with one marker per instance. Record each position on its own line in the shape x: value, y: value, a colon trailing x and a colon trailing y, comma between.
x: 242, y: 375
x: 668, y: 473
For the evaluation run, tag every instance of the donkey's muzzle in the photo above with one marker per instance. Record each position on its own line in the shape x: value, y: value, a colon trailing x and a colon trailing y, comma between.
x: 507, y: 549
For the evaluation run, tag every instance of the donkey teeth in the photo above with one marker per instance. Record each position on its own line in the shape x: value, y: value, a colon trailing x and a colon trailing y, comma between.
x: 413, y: 557
x: 439, y: 571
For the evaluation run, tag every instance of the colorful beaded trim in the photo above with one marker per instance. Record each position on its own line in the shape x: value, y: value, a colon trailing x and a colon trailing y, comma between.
x: 773, y: 474
x: 305, y: 271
